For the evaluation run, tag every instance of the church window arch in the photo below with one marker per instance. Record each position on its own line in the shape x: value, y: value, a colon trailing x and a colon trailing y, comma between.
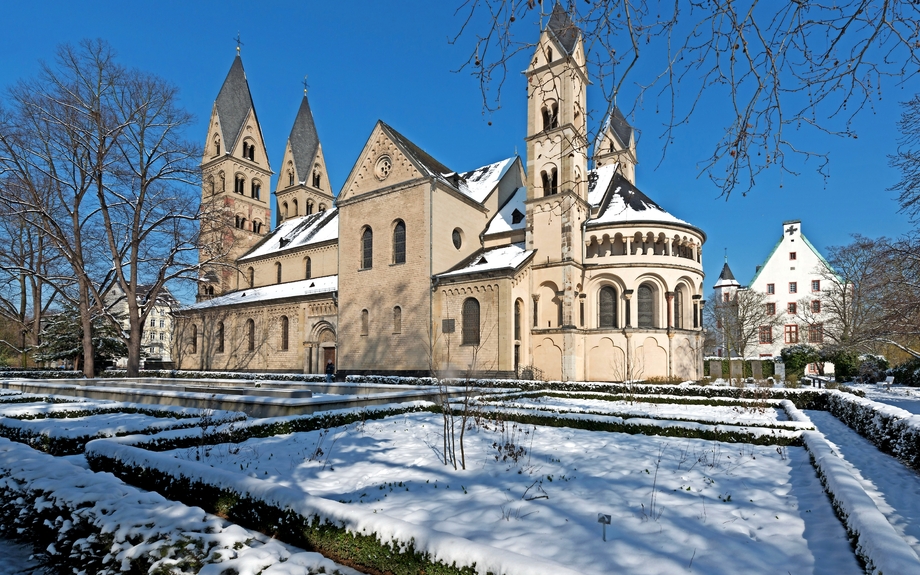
x: 607, y: 307
x: 470, y: 321
x: 194, y: 339
x: 216, y: 145
x: 250, y: 334
x: 211, y: 185
x: 309, y: 207
x: 365, y: 322
x: 251, y: 276
x: 518, y: 318
x: 295, y: 207
x: 550, y: 113
x: 308, y: 268
x: 399, y: 242
x: 256, y: 190
x: 317, y: 177
x: 549, y: 54
x: 397, y: 319
x: 550, y: 180
x: 291, y: 177
x: 278, y: 272
x: 245, y: 150
x: 239, y: 185
x: 257, y: 226
x: 284, y: 210
x: 220, y: 337
x: 367, y: 248
x: 645, y: 300
x: 322, y: 207
x: 284, y: 333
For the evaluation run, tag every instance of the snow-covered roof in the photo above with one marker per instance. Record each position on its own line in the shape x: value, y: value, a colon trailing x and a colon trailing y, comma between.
x: 504, y: 257
x: 599, y: 181
x: 297, y: 233
x: 726, y: 278
x: 273, y: 292
x: 504, y: 220
x: 625, y: 203
x: 478, y: 183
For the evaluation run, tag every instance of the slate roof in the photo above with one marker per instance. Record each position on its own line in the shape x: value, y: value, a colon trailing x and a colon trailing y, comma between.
x: 432, y: 166
x: 304, y: 140
x: 726, y: 273
x: 233, y: 104
x: 562, y: 27
x: 297, y: 232
x: 509, y: 257
x: 320, y: 285
x: 504, y: 220
x: 479, y: 183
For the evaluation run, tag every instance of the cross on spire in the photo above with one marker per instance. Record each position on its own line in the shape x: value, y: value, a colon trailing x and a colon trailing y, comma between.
x: 726, y: 255
x: 791, y: 230
x: 238, y: 43
x: 305, y: 85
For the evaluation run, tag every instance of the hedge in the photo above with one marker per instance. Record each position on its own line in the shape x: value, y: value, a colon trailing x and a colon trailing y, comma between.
x: 189, y: 374
x: 892, y: 430
x: 908, y: 373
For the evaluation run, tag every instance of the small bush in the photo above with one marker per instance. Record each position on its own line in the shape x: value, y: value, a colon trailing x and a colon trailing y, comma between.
x: 908, y: 373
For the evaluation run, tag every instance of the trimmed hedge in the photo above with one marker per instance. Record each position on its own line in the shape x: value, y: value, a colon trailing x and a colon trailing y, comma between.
x: 188, y: 374
x: 908, y: 373
x: 891, y: 429
x: 40, y: 374
x: 767, y: 366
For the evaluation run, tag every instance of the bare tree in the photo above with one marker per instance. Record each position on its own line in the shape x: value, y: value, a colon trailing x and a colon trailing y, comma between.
x: 768, y: 69
x: 102, y: 170
x: 739, y: 319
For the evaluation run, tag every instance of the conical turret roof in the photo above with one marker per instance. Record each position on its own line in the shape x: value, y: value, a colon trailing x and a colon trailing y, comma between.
x: 726, y: 278
x: 304, y: 140
x: 234, y: 101
x: 562, y: 27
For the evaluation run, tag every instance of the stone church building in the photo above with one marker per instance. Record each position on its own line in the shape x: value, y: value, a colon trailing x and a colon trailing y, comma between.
x: 548, y: 268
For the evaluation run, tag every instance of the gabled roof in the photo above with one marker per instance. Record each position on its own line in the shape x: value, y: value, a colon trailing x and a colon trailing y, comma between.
x: 420, y: 156
x: 726, y: 273
x: 233, y: 104
x: 304, y: 140
x: 776, y: 246
x: 564, y: 30
x: 296, y: 233
x: 326, y: 284
x: 514, y: 209
x: 616, y: 122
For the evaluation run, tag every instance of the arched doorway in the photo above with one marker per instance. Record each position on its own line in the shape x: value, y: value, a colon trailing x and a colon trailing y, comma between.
x: 320, y: 348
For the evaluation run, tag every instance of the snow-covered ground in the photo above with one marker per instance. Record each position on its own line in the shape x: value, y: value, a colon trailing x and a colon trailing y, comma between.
x: 676, y: 505
x: 893, y: 487
x: 907, y: 398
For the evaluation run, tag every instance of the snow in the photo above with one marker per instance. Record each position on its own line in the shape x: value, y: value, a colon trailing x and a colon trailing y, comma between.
x: 618, y: 211
x: 16, y: 559
x: 504, y: 219
x: 479, y: 183
x: 504, y: 257
x: 708, y: 507
x: 599, y: 186
x: 324, y: 284
x: 298, y: 232
x: 906, y: 398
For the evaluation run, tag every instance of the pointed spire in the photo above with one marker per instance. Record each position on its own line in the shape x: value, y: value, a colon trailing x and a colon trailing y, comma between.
x: 561, y: 26
x: 234, y: 101
x: 726, y: 272
x: 304, y: 140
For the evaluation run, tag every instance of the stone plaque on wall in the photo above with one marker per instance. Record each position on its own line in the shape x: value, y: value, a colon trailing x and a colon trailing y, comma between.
x: 757, y: 369
x: 715, y: 368
x: 737, y: 368
x: 779, y: 371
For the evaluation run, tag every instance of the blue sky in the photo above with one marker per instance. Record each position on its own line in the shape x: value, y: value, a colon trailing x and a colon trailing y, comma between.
x: 369, y: 60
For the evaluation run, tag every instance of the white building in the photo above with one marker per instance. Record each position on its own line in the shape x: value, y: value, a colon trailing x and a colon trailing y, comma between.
x: 791, y: 278
x: 157, y: 338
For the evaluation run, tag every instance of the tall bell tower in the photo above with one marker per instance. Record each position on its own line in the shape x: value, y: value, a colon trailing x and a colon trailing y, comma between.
x: 236, y: 213
x: 557, y: 186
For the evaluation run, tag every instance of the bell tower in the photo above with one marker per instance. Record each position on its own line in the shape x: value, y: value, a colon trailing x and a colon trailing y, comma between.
x: 303, y: 186
x: 616, y: 143
x: 236, y: 212
x: 557, y: 186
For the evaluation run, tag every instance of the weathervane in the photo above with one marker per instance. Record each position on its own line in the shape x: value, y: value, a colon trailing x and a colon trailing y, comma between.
x: 238, y: 43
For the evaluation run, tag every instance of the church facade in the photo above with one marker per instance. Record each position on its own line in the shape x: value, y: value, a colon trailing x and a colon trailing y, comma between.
x: 549, y: 268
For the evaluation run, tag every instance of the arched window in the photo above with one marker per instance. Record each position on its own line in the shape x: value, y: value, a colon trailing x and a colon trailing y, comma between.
x: 194, y: 339
x: 256, y: 190
x: 257, y: 227
x: 607, y: 307
x: 308, y: 265
x: 518, y: 312
x: 549, y: 54
x: 397, y: 319
x: 216, y: 145
x: 322, y: 207
x: 678, y: 305
x: 399, y: 243
x: 646, y: 303
x: 250, y: 335
x: 367, y: 249
x: 211, y: 184
x: 239, y: 186
x: 284, y: 210
x: 364, y: 322
x: 290, y: 177
x: 470, y: 321
x: 245, y: 150
x: 278, y: 272
x: 309, y: 207
x: 296, y: 207
x: 252, y: 277
x: 284, y: 333
x: 550, y: 182
x: 220, y: 337
x: 550, y: 112
x: 316, y: 179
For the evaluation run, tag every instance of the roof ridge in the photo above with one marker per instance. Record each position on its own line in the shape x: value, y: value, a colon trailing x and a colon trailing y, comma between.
x: 411, y: 149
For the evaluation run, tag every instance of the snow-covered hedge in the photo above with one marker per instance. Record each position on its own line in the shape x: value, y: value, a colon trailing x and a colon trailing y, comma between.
x: 372, y: 542
x: 190, y: 374
x: 891, y: 429
x: 40, y: 374
x: 908, y: 373
x: 877, y: 543
x: 83, y: 522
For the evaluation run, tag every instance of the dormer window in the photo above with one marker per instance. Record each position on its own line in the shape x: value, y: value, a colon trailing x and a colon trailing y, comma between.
x: 517, y: 217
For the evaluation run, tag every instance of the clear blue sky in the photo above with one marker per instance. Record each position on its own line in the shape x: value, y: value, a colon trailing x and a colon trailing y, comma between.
x: 368, y: 61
